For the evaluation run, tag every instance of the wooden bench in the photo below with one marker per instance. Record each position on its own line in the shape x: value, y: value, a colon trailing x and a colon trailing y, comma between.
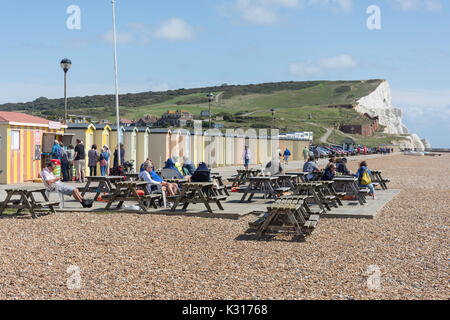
x: 27, y: 200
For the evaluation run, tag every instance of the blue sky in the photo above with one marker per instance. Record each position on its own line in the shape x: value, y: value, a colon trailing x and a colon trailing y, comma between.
x: 183, y: 44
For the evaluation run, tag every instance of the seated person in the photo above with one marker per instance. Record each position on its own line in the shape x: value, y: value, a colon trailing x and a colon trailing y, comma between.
x: 365, y: 178
x: 142, y: 165
x: 331, y: 161
x: 275, y: 166
x: 202, y: 174
x: 171, y: 165
x: 341, y: 166
x: 329, y: 173
x: 177, y: 164
x: 310, y: 166
x: 54, y: 183
x: 188, y: 166
x: 155, y: 180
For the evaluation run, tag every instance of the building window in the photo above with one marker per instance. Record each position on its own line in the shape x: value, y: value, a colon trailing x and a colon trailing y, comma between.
x: 15, y: 140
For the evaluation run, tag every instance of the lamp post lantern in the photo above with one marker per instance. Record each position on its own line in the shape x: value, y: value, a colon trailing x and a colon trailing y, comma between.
x: 65, y: 65
x: 210, y: 97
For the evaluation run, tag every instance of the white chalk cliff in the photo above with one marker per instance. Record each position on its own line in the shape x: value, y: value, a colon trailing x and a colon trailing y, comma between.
x: 379, y: 103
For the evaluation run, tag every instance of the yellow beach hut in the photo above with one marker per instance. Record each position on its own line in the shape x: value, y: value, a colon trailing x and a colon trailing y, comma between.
x: 143, y: 140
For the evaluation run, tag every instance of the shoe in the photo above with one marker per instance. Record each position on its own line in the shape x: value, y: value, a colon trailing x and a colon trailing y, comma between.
x: 87, y: 203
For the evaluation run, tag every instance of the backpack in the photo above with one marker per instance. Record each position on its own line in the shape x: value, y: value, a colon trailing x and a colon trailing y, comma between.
x: 365, y: 180
x: 59, y: 152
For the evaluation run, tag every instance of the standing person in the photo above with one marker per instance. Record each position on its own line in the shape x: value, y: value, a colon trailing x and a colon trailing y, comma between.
x: 287, y: 154
x: 57, y: 151
x: 365, y: 150
x: 108, y: 152
x: 104, y: 160
x: 64, y: 163
x: 305, y: 153
x: 365, y: 178
x: 93, y: 158
x: 70, y: 153
x: 247, y: 156
x: 80, y: 161
x: 122, y: 156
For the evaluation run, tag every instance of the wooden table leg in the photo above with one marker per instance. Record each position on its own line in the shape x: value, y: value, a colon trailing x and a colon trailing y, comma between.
x: 5, y: 203
x: 179, y: 198
x: 86, y: 188
x: 112, y: 199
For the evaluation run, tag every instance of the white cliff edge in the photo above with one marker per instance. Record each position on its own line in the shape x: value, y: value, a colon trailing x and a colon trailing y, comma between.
x: 379, y: 103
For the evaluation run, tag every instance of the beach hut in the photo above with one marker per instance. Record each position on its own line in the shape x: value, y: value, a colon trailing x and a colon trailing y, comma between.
x: 130, y: 142
x: 102, y: 135
x: 142, y: 145
x: 229, y: 147
x: 180, y: 143
x: 159, y: 150
x: 212, y: 145
x: 262, y: 147
x: 85, y: 132
x: 251, y: 139
x: 239, y: 144
x: 197, y: 147
x: 113, y: 141
x: 24, y: 139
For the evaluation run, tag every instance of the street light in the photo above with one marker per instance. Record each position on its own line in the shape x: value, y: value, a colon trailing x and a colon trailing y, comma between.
x: 65, y: 65
x: 210, y: 97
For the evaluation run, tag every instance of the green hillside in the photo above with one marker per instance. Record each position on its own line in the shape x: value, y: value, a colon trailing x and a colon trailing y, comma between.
x: 300, y: 106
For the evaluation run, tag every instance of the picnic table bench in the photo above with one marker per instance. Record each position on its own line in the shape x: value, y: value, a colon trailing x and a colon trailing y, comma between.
x: 287, y: 181
x: 266, y: 185
x: 377, y: 178
x: 300, y: 176
x: 349, y: 186
x: 127, y: 191
x: 198, y: 192
x: 242, y: 176
x: 134, y: 176
x: 105, y: 185
x: 27, y: 200
x: 220, y: 186
x: 318, y: 191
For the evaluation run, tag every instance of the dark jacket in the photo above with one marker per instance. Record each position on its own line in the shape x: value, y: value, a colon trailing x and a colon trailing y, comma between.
x: 328, y: 175
x: 342, y: 168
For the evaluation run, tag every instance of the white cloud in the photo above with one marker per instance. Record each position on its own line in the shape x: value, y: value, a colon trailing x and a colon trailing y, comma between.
x: 314, y: 68
x: 337, y: 5
x: 122, y: 37
x: 431, y: 5
x: 175, y: 29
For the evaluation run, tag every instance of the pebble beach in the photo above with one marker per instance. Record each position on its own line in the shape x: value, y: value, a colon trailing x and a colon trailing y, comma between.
x: 131, y: 256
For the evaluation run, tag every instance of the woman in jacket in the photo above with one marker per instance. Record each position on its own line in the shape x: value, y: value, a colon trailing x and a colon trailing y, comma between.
x: 362, y: 176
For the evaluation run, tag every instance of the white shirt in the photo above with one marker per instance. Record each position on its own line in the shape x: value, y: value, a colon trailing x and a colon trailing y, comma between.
x: 46, y: 175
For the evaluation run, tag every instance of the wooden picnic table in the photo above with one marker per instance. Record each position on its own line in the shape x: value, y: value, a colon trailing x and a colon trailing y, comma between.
x: 221, y: 187
x: 377, y: 178
x: 301, y: 176
x: 266, y: 185
x: 27, y: 200
x: 134, y: 176
x: 314, y: 189
x: 105, y: 185
x: 349, y: 185
x: 242, y: 176
x: 287, y: 181
x: 177, y: 181
x: 198, y: 192
x: 127, y: 191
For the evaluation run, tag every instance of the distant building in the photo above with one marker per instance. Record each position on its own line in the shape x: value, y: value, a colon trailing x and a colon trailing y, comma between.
x: 178, y: 118
x: 125, y: 122
x: 204, y: 113
x: 73, y: 118
x: 147, y: 121
x: 362, y: 129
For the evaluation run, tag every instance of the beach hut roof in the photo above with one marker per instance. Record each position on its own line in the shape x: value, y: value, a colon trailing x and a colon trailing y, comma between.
x: 130, y: 129
x: 114, y: 128
x: 160, y: 130
x: 102, y: 126
x: 18, y: 117
x: 143, y: 129
x: 80, y: 125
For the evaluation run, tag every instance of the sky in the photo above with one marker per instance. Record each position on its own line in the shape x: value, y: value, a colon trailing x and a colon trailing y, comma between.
x: 186, y: 44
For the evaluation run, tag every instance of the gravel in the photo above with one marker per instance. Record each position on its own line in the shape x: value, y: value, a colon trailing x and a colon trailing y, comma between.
x: 130, y: 256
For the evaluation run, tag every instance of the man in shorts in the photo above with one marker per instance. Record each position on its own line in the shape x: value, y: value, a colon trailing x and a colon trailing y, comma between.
x: 54, y: 183
x: 80, y: 161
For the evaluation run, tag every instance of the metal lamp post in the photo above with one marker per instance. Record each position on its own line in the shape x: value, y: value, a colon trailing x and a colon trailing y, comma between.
x: 116, y: 81
x: 273, y: 118
x: 210, y: 97
x: 65, y: 65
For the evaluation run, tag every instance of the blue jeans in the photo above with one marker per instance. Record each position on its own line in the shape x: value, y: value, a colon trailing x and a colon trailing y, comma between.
x: 64, y: 167
x: 370, y: 186
x: 103, y: 171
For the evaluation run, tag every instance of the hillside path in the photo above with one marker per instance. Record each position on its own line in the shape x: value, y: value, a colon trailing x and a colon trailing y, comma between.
x: 326, y: 135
